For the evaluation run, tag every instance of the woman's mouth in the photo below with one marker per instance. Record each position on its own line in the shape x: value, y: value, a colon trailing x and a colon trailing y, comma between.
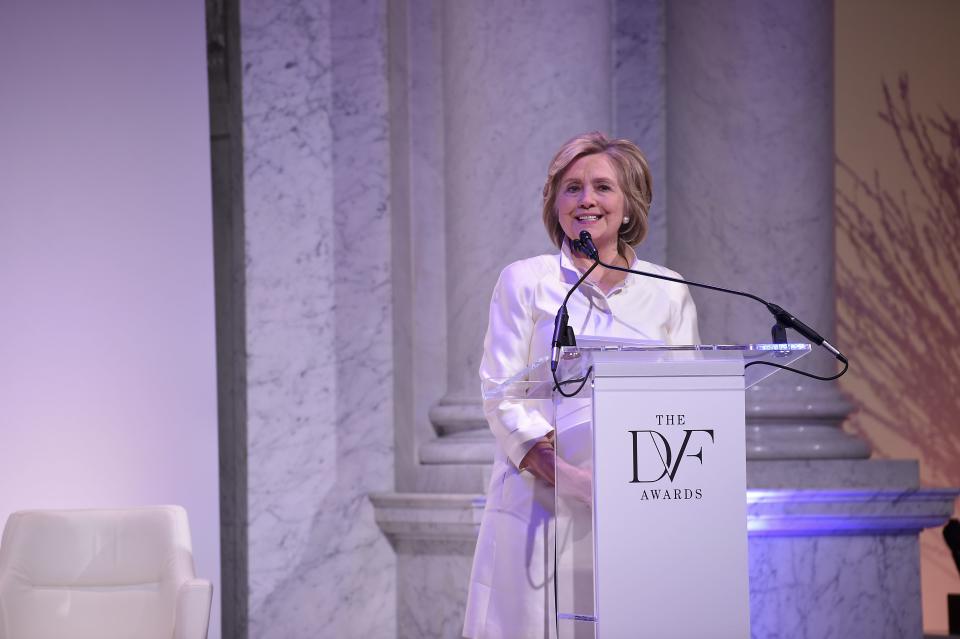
x: 588, y: 218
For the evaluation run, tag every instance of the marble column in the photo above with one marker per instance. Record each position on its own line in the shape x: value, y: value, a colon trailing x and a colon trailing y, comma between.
x: 638, y: 72
x: 318, y: 316
x: 750, y: 181
x: 518, y: 81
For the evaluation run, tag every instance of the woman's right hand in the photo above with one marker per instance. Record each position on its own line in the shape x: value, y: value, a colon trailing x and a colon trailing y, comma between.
x: 575, y: 482
x: 541, y: 461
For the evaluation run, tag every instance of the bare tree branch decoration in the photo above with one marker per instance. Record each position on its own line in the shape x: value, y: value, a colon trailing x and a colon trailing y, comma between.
x: 898, y: 281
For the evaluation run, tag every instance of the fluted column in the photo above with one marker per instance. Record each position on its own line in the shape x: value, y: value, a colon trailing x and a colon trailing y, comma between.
x: 750, y: 178
x: 519, y: 79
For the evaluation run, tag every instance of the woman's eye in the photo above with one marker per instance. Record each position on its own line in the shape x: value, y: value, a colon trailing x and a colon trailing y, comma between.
x: 605, y: 187
x: 573, y: 188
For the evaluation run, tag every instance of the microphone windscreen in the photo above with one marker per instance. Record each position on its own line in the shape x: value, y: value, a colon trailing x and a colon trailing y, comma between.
x: 586, y: 241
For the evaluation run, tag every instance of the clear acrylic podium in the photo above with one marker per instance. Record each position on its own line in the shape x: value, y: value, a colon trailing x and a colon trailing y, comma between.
x: 651, y: 522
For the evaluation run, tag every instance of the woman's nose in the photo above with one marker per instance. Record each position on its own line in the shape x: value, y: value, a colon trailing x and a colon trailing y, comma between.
x: 587, y: 198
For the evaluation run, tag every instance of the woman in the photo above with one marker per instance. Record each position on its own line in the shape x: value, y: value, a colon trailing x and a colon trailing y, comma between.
x: 602, y: 186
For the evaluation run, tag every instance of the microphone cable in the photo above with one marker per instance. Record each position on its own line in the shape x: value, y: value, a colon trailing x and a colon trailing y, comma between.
x: 784, y: 319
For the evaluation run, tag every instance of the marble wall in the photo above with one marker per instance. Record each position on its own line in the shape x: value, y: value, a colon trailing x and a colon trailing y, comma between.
x: 319, y: 317
x: 865, y: 587
x: 394, y: 153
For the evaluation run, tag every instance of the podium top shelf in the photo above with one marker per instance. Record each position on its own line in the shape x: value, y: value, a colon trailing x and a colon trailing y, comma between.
x: 612, y: 359
x: 621, y: 360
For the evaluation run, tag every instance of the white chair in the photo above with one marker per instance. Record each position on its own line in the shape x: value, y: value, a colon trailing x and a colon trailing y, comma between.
x: 101, y: 574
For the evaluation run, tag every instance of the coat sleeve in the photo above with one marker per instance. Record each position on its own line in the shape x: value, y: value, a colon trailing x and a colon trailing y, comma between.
x: 516, y: 424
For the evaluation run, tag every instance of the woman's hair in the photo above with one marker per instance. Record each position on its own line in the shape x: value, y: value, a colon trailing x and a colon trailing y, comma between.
x: 632, y: 171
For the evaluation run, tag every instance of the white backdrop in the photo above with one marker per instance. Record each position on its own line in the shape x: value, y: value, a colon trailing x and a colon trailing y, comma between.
x: 107, y: 353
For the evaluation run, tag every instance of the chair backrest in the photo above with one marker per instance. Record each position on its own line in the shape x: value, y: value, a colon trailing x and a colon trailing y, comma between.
x: 103, y: 574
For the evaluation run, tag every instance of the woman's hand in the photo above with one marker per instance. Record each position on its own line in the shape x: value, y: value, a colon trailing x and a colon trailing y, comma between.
x: 541, y: 461
x: 575, y: 482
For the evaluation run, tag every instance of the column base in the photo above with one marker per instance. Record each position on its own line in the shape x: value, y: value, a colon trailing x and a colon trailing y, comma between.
x: 771, y: 440
x: 818, y: 474
x: 475, y: 446
x: 457, y: 414
x: 789, y: 418
x: 842, y: 563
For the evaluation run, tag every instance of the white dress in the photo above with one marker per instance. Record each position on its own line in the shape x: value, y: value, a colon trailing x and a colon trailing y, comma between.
x: 511, y: 589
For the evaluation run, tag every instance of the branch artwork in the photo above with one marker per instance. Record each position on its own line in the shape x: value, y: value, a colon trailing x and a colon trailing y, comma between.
x: 898, y: 283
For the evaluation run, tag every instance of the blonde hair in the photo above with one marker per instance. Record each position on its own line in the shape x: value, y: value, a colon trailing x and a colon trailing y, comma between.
x: 632, y: 171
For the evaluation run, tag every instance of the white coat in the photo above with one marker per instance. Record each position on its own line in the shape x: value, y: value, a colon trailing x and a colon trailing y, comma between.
x: 511, y: 589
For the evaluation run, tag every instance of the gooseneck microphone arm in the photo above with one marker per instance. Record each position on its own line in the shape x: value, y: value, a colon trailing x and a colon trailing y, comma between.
x: 783, y: 318
x: 560, y: 321
x: 563, y: 336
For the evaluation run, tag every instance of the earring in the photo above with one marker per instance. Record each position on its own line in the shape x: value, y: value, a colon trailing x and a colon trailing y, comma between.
x: 626, y: 218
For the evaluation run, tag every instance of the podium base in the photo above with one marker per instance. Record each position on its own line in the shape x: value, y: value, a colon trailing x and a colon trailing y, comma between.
x: 817, y: 584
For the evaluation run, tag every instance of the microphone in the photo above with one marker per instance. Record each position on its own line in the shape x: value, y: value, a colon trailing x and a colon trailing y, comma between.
x: 559, y: 334
x: 562, y: 334
x: 787, y: 320
x: 784, y: 319
x: 585, y: 245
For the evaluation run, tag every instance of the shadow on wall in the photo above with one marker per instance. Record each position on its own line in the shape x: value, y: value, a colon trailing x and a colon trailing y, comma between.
x: 898, y: 284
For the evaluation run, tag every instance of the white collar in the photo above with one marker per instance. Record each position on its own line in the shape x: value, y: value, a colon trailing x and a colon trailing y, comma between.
x: 567, y: 265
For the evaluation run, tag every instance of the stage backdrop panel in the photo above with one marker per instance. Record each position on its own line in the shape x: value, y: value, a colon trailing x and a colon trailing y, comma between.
x: 107, y: 381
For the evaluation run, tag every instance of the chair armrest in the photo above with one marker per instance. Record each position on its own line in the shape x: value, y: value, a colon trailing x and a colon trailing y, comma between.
x: 193, y: 609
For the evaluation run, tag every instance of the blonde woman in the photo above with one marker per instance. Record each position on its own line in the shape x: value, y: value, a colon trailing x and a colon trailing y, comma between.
x: 602, y: 186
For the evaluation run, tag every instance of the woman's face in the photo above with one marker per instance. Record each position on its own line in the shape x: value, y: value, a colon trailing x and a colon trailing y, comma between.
x: 589, y: 198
